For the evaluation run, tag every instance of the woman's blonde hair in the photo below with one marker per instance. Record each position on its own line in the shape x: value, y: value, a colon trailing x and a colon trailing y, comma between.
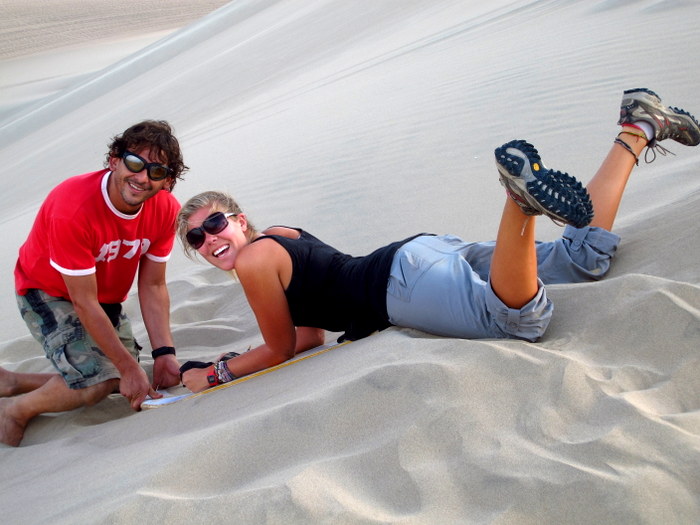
x: 214, y: 201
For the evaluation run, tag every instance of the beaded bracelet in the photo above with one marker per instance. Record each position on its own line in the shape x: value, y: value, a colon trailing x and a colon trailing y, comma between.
x: 223, y: 374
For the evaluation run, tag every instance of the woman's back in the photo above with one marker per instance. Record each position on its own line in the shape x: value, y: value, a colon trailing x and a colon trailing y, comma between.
x: 336, y: 291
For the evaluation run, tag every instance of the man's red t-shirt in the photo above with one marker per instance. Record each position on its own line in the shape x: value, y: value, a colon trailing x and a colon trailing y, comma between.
x: 78, y: 231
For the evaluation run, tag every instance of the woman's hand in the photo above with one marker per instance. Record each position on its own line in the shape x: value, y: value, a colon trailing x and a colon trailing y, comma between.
x: 195, y: 379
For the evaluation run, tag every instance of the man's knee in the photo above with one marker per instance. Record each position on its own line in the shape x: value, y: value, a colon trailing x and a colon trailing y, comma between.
x: 96, y: 393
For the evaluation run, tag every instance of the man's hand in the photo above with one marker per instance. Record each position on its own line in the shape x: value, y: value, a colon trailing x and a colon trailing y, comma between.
x: 134, y: 386
x: 166, y: 371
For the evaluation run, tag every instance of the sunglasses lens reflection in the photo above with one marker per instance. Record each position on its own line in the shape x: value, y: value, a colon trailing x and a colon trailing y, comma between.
x: 133, y: 163
x: 215, y: 223
x: 157, y: 172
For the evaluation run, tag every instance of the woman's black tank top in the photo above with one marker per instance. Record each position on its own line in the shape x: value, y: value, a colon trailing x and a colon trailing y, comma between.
x: 336, y: 291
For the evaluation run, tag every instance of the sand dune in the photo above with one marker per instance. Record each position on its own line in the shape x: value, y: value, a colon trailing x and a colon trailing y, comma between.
x: 363, y: 123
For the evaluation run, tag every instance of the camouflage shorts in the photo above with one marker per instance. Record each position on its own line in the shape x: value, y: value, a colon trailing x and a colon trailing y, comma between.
x: 53, y: 322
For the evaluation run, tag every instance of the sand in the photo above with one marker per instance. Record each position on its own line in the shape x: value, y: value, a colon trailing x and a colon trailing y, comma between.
x: 365, y: 122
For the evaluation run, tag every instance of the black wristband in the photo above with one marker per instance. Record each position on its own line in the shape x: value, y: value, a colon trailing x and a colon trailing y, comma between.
x: 163, y: 350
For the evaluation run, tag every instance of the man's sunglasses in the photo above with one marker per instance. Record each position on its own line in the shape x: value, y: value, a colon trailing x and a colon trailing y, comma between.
x: 135, y: 164
x: 215, y: 223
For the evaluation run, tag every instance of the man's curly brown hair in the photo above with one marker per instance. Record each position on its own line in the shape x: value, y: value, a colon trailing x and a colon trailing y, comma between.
x: 156, y: 135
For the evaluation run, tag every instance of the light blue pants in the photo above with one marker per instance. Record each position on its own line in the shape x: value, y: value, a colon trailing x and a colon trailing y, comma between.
x: 439, y: 284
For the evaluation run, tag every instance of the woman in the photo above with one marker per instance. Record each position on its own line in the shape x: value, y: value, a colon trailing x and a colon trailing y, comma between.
x: 298, y: 286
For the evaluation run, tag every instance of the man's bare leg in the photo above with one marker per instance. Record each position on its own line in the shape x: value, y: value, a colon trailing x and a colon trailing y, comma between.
x: 53, y: 396
x: 15, y: 383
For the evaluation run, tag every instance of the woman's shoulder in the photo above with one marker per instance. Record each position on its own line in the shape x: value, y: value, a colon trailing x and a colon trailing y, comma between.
x: 284, y: 231
x: 282, y: 234
x: 262, y: 253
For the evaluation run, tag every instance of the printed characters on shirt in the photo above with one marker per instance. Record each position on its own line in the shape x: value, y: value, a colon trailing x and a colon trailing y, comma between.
x: 131, y: 249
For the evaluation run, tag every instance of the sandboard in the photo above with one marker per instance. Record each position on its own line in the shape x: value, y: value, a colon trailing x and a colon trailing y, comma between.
x: 170, y: 398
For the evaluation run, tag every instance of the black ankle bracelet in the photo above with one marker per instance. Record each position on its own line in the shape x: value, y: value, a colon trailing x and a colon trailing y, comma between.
x: 622, y: 143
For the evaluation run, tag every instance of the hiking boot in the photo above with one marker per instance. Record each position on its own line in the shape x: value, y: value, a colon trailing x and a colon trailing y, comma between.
x: 541, y: 191
x: 641, y: 104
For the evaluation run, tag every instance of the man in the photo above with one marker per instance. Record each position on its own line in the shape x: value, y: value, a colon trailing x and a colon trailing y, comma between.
x: 92, y: 236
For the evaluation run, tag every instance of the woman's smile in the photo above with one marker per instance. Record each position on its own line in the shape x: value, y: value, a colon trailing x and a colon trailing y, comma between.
x: 220, y: 251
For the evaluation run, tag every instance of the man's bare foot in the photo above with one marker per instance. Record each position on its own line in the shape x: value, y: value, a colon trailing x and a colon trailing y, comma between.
x: 8, y: 383
x: 11, y: 430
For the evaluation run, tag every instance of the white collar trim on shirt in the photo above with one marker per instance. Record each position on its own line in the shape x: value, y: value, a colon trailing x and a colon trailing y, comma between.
x: 105, y: 195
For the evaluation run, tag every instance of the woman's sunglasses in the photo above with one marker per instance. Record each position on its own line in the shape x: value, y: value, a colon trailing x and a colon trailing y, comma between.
x: 135, y: 164
x: 215, y: 223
